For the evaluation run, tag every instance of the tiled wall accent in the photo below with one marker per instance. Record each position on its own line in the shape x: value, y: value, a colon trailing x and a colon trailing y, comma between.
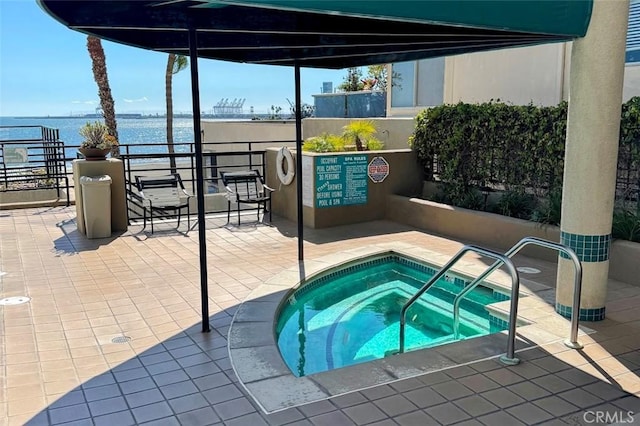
x: 500, y: 296
x: 497, y: 324
x: 588, y: 248
x: 593, y: 314
x: 429, y: 270
x: 361, y: 266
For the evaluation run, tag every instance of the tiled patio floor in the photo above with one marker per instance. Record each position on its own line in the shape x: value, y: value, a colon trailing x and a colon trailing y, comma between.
x: 60, y: 366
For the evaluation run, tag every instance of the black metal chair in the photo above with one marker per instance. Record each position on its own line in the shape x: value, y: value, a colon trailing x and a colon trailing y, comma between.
x: 162, y: 194
x: 246, y: 187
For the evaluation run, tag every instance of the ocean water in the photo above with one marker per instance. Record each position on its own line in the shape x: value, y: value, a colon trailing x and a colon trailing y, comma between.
x: 131, y: 131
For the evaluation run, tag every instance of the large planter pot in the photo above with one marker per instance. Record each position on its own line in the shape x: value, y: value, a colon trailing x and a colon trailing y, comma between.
x: 94, y: 154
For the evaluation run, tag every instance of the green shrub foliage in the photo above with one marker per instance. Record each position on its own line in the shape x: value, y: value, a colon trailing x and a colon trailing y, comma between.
x: 626, y: 225
x: 520, y: 150
x: 492, y: 143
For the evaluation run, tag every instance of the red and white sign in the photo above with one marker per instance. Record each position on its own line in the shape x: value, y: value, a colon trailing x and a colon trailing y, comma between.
x: 378, y: 169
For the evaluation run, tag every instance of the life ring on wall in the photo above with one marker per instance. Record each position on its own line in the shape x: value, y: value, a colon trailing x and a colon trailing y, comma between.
x: 285, y: 154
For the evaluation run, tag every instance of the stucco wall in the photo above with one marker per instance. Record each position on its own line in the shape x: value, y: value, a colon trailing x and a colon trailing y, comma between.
x: 394, y: 132
x: 623, y: 263
x: 404, y: 178
x: 529, y: 74
x: 501, y: 232
x: 486, y: 229
x: 29, y: 199
x: 248, y: 131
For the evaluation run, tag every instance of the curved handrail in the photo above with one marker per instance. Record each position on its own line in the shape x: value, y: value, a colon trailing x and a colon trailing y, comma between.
x: 572, y: 342
x: 510, y: 356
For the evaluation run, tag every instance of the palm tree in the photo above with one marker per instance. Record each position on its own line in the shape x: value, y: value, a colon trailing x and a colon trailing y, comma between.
x: 360, y: 132
x: 99, y: 66
x: 175, y: 64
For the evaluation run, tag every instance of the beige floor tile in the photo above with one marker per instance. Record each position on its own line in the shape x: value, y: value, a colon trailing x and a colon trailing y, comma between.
x: 33, y: 404
x: 87, y: 351
x: 78, y: 334
x: 61, y: 386
x: 58, y: 375
x: 22, y: 358
x: 23, y: 378
x: 13, y: 370
x: 20, y: 420
x: 630, y: 382
x: 24, y: 392
x: 612, y: 366
x: 20, y: 348
x: 54, y: 355
x: 54, y: 365
x: 54, y: 345
x: 48, y: 336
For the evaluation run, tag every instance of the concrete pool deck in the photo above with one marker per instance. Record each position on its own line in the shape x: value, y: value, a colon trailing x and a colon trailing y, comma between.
x: 111, y: 335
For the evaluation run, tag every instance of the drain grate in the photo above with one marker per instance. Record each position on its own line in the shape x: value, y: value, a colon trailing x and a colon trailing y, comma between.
x: 528, y: 270
x: 121, y: 339
x: 16, y: 300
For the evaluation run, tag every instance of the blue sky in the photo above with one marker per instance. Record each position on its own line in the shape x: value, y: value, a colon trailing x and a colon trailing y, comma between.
x: 45, y: 70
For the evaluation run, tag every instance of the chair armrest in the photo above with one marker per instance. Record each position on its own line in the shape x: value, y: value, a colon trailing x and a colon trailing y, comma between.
x: 268, y: 188
x: 231, y: 194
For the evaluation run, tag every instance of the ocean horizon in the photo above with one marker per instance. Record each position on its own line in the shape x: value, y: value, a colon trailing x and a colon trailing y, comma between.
x: 131, y: 131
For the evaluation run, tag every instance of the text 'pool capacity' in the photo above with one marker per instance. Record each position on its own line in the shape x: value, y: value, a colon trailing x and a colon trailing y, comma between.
x: 341, y: 180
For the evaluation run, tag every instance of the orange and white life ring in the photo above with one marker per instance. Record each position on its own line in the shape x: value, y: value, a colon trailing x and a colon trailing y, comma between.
x: 285, y: 154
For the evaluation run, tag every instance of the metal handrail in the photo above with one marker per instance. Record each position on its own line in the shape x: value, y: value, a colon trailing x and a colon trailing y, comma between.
x: 509, y: 358
x: 572, y: 342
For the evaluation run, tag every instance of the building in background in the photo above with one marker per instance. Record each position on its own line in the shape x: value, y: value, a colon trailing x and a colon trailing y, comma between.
x: 536, y: 74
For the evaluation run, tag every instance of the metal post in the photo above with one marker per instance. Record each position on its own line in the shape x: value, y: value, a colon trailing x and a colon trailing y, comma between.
x: 202, y: 240
x: 299, y: 162
x: 510, y: 358
x: 572, y: 342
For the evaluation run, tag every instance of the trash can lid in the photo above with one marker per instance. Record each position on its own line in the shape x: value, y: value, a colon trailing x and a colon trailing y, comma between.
x: 95, y: 180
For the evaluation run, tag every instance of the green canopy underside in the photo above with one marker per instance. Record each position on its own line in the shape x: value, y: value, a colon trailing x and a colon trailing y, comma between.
x: 325, y: 34
x: 555, y: 17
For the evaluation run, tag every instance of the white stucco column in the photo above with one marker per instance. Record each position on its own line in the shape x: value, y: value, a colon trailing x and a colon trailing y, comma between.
x: 593, y: 125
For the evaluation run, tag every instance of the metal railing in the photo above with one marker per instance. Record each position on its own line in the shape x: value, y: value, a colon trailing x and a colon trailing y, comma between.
x: 509, y: 358
x: 52, y: 160
x: 572, y: 342
x: 30, y: 163
x: 217, y: 157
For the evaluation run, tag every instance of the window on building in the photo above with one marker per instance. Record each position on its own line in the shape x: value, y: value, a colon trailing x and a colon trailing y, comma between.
x: 421, y: 83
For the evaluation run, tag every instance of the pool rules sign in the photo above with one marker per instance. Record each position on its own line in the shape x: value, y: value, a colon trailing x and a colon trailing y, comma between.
x: 341, y: 180
x: 378, y: 169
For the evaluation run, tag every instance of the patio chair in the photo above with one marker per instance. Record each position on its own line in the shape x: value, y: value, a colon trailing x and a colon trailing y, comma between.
x: 246, y: 187
x: 161, y: 194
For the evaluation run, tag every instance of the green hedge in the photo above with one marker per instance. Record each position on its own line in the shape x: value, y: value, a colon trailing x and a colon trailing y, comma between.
x: 519, y: 149
x: 492, y: 144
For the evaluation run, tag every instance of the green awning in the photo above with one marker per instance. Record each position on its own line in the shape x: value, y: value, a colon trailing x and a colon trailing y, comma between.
x: 326, y: 34
x: 554, y: 17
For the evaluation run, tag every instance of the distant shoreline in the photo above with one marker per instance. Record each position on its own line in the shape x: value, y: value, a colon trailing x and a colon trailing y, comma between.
x: 144, y: 116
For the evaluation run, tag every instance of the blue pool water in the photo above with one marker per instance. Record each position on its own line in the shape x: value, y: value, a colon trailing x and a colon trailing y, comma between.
x: 352, y: 315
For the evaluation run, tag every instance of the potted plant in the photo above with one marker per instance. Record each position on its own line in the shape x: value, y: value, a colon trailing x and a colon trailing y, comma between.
x: 97, y: 142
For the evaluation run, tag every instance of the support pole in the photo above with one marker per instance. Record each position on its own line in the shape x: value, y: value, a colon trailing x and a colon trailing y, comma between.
x: 299, y: 163
x: 591, y: 157
x: 202, y: 240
